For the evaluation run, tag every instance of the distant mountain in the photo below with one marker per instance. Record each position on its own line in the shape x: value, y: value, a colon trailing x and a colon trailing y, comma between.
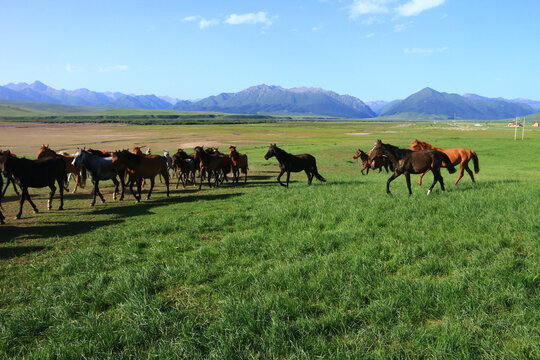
x: 38, y: 91
x: 532, y: 103
x: 380, y: 106
x: 275, y: 100
x: 430, y: 102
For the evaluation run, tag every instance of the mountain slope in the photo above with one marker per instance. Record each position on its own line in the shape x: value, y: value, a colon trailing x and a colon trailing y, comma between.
x: 264, y: 99
x: 431, y: 102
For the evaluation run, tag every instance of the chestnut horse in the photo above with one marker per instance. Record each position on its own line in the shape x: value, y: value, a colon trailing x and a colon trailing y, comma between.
x: 294, y: 163
x: 142, y: 167
x: 409, y: 162
x: 36, y: 174
x: 78, y: 171
x: 239, y: 163
x: 380, y: 162
x: 457, y: 156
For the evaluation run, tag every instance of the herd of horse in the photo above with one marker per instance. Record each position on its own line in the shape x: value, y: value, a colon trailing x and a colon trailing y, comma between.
x: 125, y: 168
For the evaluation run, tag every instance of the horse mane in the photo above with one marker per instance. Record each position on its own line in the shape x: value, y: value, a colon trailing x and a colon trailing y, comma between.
x: 132, y: 157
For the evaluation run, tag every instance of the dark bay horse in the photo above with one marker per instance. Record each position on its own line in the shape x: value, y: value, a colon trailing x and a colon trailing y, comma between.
x: 36, y: 174
x: 457, y: 156
x: 409, y: 162
x: 142, y: 167
x: 294, y: 163
x: 380, y: 162
x: 212, y: 163
x: 239, y: 163
x: 184, y: 168
x: 78, y: 171
x: 100, y: 169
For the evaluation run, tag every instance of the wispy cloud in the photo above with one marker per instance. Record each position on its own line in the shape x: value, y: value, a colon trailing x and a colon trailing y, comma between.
x: 425, y: 51
x: 401, y: 27
x: 70, y: 68
x: 370, y: 35
x: 203, y: 23
x: 415, y: 7
x: 113, y: 68
x: 250, y: 19
x: 316, y: 28
x: 364, y: 7
x: 381, y: 7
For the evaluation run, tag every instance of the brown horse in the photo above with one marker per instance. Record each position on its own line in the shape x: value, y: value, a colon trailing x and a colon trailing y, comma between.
x: 185, y: 169
x: 78, y: 171
x: 142, y: 167
x: 409, y: 162
x: 239, y: 163
x: 379, y: 162
x: 35, y: 174
x: 457, y: 156
x: 212, y: 164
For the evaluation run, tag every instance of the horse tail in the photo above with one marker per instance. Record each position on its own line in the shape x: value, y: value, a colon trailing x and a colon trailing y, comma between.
x: 449, y: 165
x: 316, y: 173
x: 475, y: 160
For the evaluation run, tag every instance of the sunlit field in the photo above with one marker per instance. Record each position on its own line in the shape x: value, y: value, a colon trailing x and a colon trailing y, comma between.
x: 332, y: 270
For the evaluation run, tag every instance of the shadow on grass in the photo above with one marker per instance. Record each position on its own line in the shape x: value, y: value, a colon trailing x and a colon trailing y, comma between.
x: 61, y: 228
x: 16, y: 251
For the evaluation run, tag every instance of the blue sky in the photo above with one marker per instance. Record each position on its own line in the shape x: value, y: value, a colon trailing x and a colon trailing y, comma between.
x: 371, y: 49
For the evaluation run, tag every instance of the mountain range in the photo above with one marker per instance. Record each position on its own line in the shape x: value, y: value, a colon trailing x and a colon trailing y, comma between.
x: 275, y: 100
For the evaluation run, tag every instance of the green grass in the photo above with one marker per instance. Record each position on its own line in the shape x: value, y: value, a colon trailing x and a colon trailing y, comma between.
x: 334, y: 270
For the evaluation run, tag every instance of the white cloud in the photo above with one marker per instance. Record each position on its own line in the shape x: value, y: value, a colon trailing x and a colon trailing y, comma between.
x: 207, y: 23
x: 316, y: 28
x: 370, y: 35
x: 113, y: 68
x: 69, y: 68
x: 191, y: 18
x: 415, y: 7
x: 399, y: 27
x: 425, y: 51
x: 363, y: 7
x: 250, y: 19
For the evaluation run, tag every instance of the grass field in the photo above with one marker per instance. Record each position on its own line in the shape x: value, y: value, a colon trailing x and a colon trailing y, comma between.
x: 334, y: 270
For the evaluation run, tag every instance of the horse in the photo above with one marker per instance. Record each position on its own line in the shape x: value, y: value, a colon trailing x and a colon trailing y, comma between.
x: 185, y: 169
x: 100, y: 169
x: 36, y: 174
x: 409, y: 162
x: 2, y: 217
x: 142, y: 167
x: 78, y: 171
x: 103, y: 154
x: 457, y: 156
x: 380, y: 162
x: 239, y: 163
x: 225, y: 164
x: 9, y: 181
x: 169, y: 160
x: 211, y: 163
x: 294, y: 163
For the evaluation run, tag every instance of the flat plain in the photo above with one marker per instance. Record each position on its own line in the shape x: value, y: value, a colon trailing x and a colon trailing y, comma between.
x: 333, y: 270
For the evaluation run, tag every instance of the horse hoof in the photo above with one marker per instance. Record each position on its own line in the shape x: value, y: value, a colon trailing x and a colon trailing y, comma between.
x: 429, y: 192
x: 60, y: 208
x: 17, y: 217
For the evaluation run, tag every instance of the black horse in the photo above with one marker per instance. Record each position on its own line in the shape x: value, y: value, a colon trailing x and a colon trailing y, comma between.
x: 409, y: 162
x: 35, y: 174
x: 1, y: 184
x: 294, y: 163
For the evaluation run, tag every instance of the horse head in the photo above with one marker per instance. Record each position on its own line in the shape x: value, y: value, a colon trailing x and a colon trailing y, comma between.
x: 376, y: 152
x: 271, y: 151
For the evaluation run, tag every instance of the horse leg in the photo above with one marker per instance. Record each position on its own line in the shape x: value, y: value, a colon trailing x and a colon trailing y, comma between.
x: 394, y: 175
x: 61, y: 190
x: 279, y: 177
x: 99, y: 192
x: 461, y: 169
x: 133, y: 192
x: 309, y: 177
x: 408, y: 178
x: 24, y: 192
x: 469, y: 171
x: 77, y: 179
x: 51, y: 194
x: 94, y: 192
x: 288, y: 177
x: 245, y: 176
x: 436, y: 177
x: 165, y: 174
x: 421, y: 177
x: 122, y: 182
x: 152, y: 182
x: 116, y: 185
x: 200, y: 177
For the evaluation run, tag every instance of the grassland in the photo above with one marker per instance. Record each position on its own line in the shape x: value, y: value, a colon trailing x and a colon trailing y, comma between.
x: 334, y: 270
